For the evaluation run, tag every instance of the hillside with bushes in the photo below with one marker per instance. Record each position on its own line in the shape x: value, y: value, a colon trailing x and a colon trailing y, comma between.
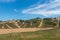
x: 32, y: 23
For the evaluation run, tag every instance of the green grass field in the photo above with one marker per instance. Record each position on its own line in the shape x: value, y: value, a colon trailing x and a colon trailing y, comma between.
x: 38, y: 35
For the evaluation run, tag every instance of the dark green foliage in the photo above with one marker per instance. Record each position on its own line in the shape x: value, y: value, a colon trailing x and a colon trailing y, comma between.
x: 49, y: 22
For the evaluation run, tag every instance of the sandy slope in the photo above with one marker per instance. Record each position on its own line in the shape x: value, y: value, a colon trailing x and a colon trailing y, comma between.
x: 5, y: 31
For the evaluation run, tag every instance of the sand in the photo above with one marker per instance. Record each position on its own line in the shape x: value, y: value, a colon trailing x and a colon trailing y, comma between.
x: 6, y: 31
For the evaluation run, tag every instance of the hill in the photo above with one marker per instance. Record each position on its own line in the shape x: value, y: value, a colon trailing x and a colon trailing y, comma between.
x: 32, y: 23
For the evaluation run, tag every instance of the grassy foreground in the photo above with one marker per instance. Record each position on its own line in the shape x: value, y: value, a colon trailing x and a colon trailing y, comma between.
x: 38, y: 35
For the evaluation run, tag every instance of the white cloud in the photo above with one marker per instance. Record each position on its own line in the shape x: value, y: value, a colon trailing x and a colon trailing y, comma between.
x: 7, y: 0
x: 44, y: 9
x: 15, y: 10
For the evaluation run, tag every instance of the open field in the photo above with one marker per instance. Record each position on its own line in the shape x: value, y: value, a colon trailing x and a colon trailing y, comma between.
x: 51, y: 34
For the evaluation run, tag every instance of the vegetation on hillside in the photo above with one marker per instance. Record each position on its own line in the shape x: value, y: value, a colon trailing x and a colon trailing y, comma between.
x: 32, y: 23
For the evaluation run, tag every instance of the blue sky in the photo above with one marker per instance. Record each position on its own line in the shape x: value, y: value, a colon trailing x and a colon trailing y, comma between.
x: 27, y: 9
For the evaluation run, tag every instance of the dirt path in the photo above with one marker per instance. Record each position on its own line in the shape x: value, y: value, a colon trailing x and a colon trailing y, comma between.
x: 5, y: 31
x: 8, y: 26
x: 16, y: 24
x: 41, y: 23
